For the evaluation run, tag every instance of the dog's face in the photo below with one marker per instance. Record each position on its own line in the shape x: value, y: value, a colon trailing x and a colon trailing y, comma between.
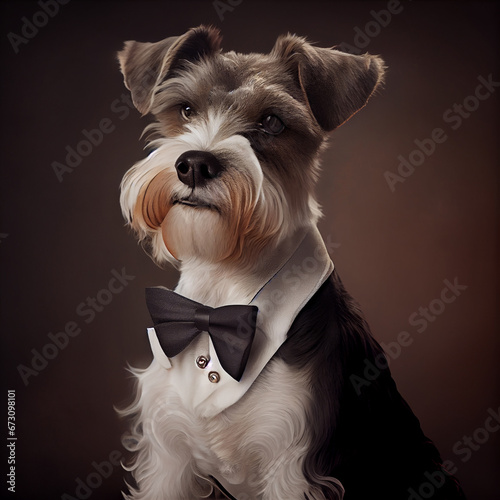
x: 237, y: 140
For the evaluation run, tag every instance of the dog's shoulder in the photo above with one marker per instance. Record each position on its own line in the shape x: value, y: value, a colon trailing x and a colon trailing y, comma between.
x: 363, y: 426
x: 330, y: 323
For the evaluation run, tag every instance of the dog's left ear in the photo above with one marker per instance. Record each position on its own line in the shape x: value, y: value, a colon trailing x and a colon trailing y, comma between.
x: 336, y: 84
x: 146, y: 65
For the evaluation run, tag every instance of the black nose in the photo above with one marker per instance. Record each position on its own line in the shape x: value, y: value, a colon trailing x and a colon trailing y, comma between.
x: 196, y: 168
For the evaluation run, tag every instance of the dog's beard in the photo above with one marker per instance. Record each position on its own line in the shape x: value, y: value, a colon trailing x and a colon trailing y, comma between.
x: 235, y: 212
x: 214, y: 227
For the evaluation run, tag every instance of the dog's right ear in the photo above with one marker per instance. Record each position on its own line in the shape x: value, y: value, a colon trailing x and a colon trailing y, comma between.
x: 146, y: 65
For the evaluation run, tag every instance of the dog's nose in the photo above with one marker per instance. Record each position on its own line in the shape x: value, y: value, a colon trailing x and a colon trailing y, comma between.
x: 196, y: 168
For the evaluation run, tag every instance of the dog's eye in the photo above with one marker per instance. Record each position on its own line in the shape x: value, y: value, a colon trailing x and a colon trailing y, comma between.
x: 271, y: 124
x: 186, y: 111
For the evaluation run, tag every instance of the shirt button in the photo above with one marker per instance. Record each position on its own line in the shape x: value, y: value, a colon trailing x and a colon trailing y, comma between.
x: 214, y: 377
x: 202, y: 361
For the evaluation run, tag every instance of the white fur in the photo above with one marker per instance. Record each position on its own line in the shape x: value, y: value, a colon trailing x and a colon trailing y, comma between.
x: 258, y: 444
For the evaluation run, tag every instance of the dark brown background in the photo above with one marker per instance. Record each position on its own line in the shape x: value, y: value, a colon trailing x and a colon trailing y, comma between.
x: 395, y: 249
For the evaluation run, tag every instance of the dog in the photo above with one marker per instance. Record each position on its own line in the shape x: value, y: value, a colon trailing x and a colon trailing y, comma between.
x: 256, y: 389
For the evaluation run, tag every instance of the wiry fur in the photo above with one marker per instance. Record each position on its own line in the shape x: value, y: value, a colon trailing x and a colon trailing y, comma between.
x: 300, y: 432
x: 177, y: 451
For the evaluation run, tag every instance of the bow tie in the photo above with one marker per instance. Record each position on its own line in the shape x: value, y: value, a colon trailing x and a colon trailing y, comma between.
x: 179, y: 320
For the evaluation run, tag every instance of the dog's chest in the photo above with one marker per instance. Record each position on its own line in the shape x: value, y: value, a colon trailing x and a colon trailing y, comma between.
x: 249, y: 440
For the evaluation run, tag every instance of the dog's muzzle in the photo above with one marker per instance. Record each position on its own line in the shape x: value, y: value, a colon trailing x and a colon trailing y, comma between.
x: 197, y: 168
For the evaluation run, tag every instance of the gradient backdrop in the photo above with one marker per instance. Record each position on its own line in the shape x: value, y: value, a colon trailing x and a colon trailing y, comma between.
x: 61, y: 240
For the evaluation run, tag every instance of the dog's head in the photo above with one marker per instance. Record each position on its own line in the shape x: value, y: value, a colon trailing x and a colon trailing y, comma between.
x: 236, y: 141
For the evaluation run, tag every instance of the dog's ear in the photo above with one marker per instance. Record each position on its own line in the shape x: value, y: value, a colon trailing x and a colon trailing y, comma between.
x: 146, y: 65
x: 336, y: 84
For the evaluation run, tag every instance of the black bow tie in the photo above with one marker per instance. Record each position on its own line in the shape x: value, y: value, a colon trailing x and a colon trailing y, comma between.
x: 178, y: 320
